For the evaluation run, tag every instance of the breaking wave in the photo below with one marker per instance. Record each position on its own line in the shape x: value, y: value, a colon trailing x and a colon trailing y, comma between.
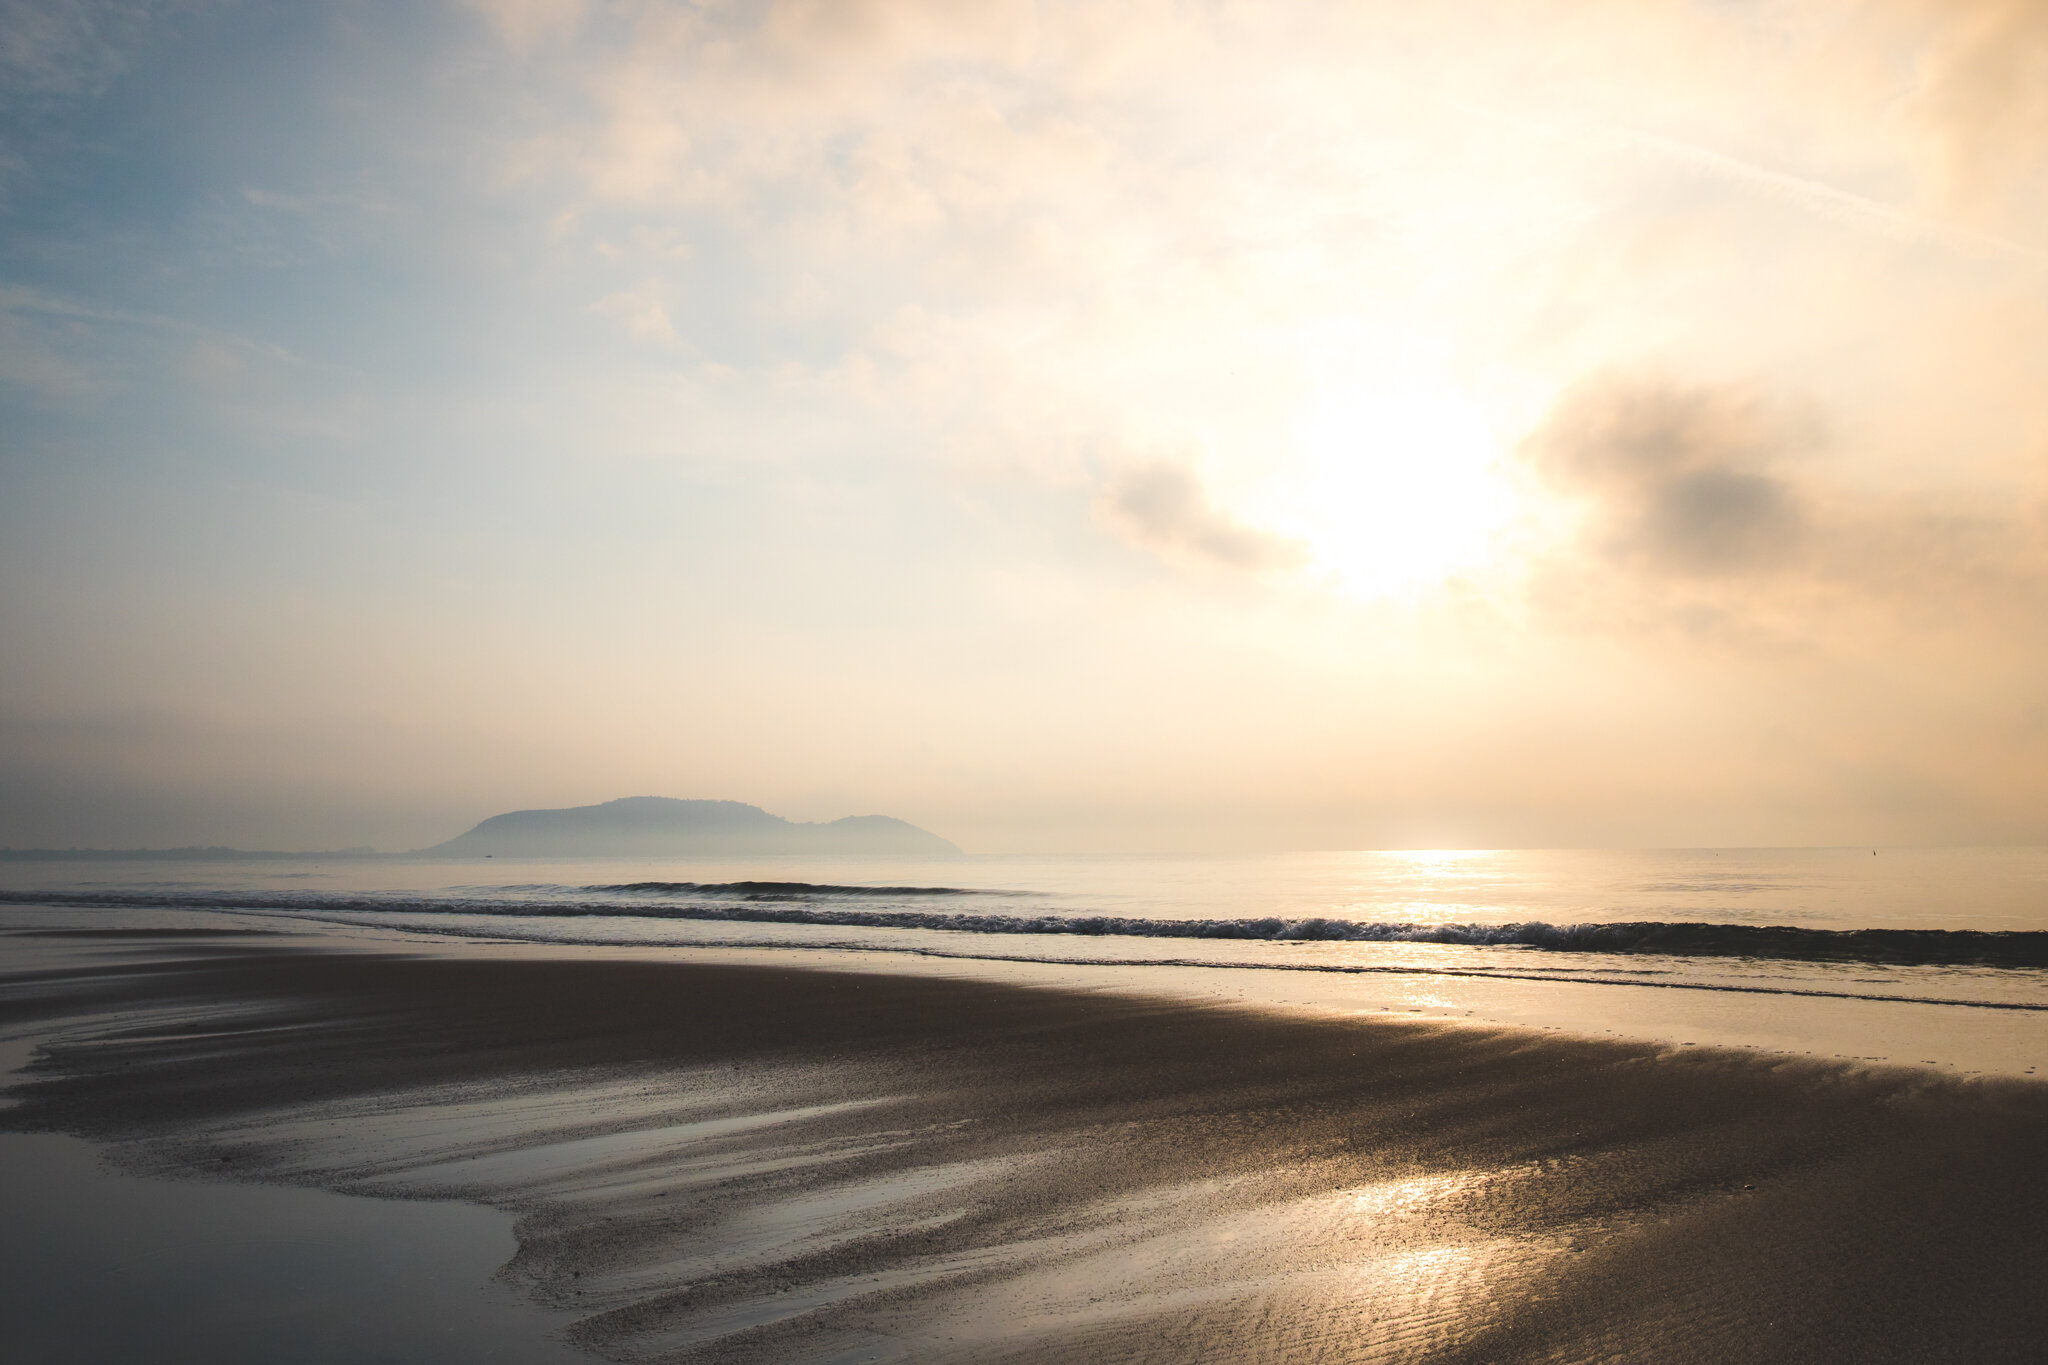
x: 807, y: 903
x: 772, y: 891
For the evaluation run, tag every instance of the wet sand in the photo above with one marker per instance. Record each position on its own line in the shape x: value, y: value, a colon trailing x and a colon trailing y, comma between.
x: 712, y: 1161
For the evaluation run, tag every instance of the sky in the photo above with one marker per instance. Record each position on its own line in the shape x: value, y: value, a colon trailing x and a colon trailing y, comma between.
x: 1102, y: 426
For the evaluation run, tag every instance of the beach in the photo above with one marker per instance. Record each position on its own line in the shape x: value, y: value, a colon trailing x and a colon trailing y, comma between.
x: 714, y: 1158
x: 825, y: 682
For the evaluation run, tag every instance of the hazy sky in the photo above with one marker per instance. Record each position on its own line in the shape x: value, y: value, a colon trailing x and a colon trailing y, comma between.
x: 1065, y: 426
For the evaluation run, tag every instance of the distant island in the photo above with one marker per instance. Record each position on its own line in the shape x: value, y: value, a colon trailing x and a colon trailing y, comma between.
x: 661, y: 826
x: 631, y: 827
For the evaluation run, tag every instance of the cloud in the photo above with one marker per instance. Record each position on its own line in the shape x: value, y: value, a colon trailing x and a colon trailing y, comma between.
x: 1167, y: 507
x: 1983, y: 93
x: 640, y: 312
x: 526, y: 25
x: 1676, y: 480
x: 66, y: 49
x: 1709, y: 503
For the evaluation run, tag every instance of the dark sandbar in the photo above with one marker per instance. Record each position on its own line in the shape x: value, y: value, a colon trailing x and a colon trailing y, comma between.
x: 744, y: 1163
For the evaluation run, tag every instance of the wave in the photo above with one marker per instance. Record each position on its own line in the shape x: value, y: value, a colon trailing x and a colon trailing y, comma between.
x: 772, y: 891
x: 1562, y: 976
x: 1892, y: 947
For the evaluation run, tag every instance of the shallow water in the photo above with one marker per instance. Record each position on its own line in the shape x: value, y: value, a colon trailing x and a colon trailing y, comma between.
x: 1908, y: 956
x: 99, y: 1265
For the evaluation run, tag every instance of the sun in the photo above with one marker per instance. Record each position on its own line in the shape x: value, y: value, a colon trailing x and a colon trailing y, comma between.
x: 1396, y: 489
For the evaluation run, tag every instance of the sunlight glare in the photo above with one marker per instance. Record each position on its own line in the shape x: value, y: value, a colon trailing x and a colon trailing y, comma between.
x: 1399, y: 489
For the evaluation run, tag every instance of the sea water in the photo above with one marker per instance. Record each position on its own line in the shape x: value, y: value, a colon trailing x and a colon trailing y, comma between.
x: 1906, y: 956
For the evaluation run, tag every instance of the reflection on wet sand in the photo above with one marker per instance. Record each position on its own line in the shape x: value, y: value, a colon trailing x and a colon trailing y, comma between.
x: 690, y: 1235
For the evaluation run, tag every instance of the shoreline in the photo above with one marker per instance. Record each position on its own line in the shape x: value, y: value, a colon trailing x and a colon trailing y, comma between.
x: 1960, y: 1024
x: 738, y: 1161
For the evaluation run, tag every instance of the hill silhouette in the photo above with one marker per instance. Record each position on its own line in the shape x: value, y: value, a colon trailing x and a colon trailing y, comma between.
x: 657, y: 826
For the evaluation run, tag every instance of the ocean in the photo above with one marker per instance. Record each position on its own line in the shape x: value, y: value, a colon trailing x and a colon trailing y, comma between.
x: 1902, y: 956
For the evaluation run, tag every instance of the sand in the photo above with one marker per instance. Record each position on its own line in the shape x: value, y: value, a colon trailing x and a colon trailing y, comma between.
x: 713, y: 1161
